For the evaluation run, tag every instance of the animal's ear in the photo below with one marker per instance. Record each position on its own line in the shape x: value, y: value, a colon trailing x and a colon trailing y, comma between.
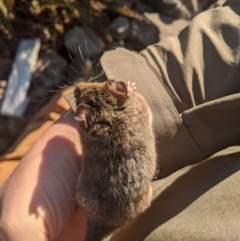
x: 118, y: 89
x: 83, y: 116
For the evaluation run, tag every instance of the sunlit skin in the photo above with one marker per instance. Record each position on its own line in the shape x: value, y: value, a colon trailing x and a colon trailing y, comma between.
x: 38, y: 198
x: 131, y: 86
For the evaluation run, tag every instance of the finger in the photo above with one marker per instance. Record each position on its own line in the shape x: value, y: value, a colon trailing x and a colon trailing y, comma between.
x: 41, y: 191
x: 129, y: 85
x: 134, y: 86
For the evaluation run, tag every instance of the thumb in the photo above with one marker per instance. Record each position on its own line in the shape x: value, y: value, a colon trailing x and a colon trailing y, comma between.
x: 38, y: 199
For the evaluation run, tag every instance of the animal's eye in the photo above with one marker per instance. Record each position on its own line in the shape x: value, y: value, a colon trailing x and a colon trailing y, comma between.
x: 77, y: 94
x: 88, y: 102
x: 120, y: 108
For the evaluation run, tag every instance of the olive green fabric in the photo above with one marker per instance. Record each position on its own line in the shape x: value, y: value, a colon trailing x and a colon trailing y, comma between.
x: 199, y: 202
x: 192, y: 84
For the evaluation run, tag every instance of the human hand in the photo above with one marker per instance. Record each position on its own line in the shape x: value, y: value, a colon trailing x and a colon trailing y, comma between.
x: 37, y: 201
x: 131, y: 86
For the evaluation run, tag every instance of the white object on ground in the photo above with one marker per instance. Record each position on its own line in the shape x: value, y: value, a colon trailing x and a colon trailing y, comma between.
x: 15, y: 98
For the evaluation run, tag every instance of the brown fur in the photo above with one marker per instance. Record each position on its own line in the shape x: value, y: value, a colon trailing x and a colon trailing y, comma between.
x: 119, y: 156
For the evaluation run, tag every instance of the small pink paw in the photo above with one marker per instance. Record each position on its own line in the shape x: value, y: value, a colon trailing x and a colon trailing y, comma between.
x: 131, y: 86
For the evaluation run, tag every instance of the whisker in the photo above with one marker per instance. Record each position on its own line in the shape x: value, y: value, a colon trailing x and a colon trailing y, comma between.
x: 96, y: 76
x: 67, y: 80
x: 67, y: 112
x: 79, y: 48
x: 63, y: 87
x: 41, y: 99
x: 70, y: 56
x: 44, y: 91
x: 73, y: 69
x: 90, y: 79
x: 56, y: 74
x: 82, y: 67
x: 43, y: 76
x: 38, y: 116
x: 86, y: 47
x: 51, y: 71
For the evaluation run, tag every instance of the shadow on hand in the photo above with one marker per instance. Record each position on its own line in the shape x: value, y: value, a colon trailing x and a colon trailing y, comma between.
x: 55, y: 191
